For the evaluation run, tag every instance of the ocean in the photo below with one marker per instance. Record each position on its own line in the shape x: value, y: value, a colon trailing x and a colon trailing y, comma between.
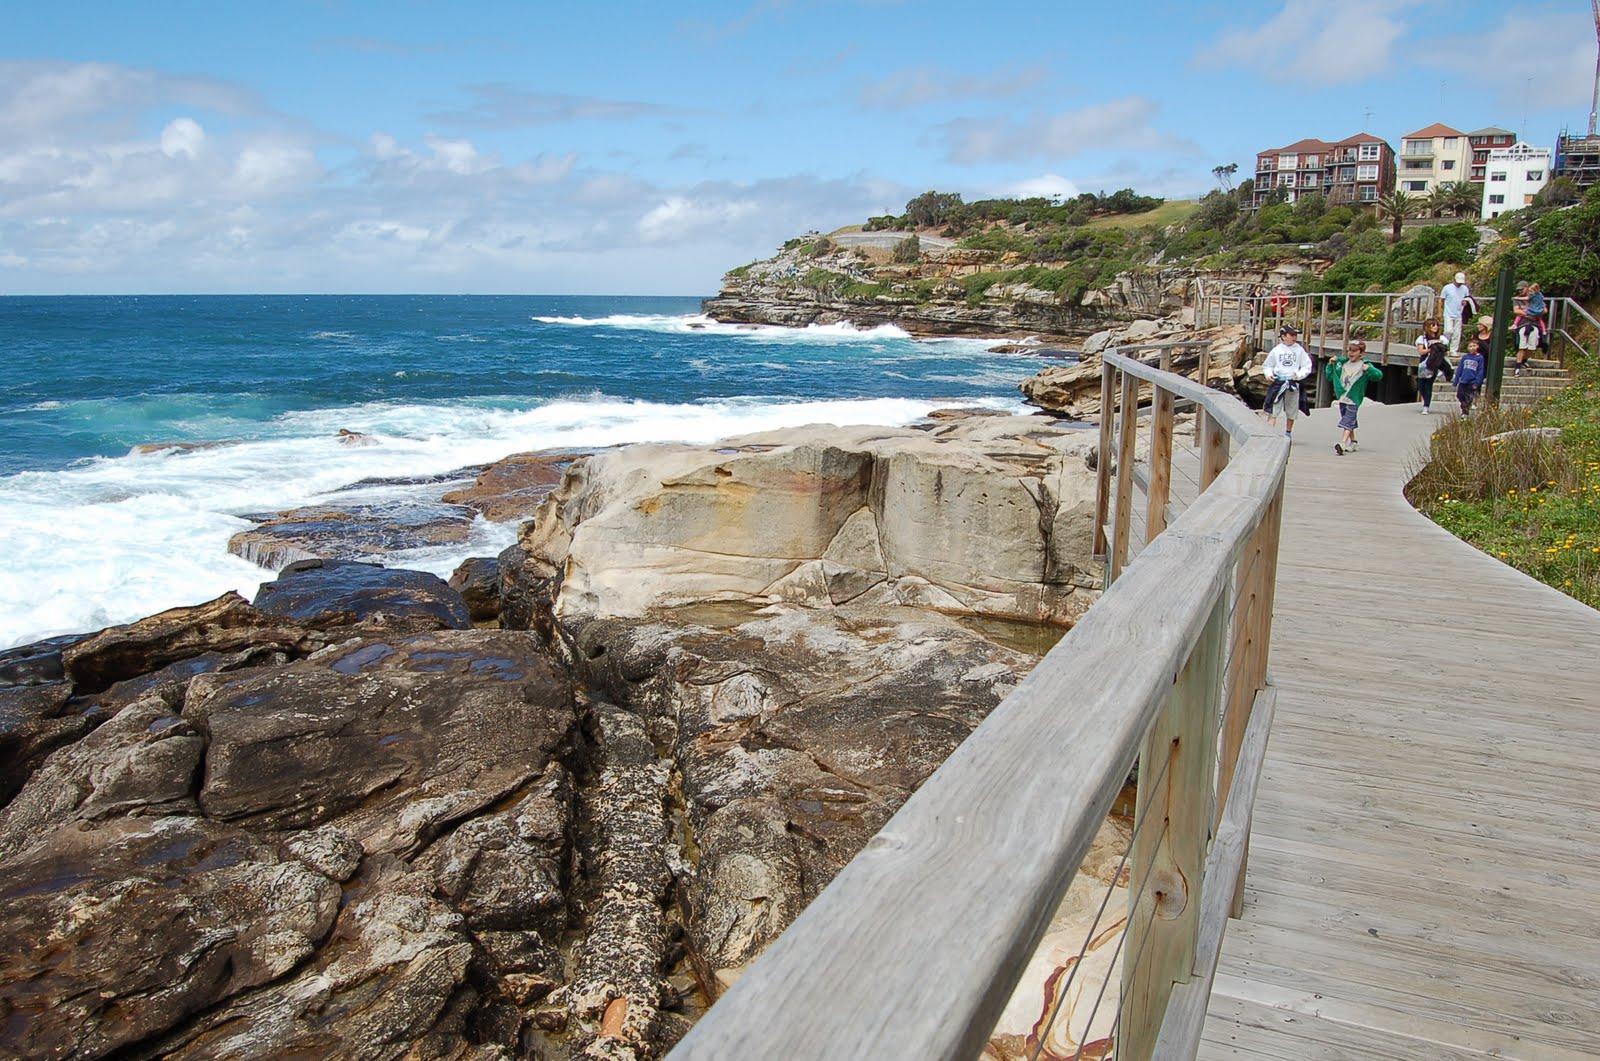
x: 93, y: 533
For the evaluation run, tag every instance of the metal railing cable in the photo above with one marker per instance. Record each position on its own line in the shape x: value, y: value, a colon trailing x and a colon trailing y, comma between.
x: 1094, y: 925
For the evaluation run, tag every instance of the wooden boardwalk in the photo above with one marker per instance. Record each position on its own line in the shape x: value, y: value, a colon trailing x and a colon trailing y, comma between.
x: 1424, y: 876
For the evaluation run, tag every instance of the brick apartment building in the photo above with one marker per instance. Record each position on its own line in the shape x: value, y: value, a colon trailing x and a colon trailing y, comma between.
x: 1359, y: 170
x: 1484, y: 141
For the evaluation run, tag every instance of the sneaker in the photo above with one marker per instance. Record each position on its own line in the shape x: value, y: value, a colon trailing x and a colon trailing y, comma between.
x: 1352, y: 444
x: 1338, y: 449
x: 1424, y: 410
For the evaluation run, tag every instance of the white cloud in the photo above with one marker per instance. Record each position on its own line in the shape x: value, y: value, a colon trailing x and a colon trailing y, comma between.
x: 1046, y: 185
x: 918, y: 86
x: 182, y: 136
x: 1122, y: 122
x: 1535, y: 56
x: 679, y: 217
x: 1323, y: 42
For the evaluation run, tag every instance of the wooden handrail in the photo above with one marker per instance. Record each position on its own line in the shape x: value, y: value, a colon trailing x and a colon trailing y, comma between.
x: 914, y: 949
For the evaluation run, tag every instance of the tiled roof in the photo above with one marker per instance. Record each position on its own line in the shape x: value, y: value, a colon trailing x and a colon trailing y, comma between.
x: 1363, y: 138
x: 1492, y: 131
x: 1436, y: 129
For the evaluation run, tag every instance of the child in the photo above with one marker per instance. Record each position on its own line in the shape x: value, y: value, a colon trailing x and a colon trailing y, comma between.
x: 1471, y: 371
x: 1426, y: 369
x: 1287, y: 364
x: 1350, y: 376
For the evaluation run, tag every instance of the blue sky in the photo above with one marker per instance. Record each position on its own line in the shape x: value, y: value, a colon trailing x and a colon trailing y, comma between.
x: 347, y: 146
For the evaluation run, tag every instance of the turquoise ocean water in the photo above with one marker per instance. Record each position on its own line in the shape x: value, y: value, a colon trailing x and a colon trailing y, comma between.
x: 93, y: 533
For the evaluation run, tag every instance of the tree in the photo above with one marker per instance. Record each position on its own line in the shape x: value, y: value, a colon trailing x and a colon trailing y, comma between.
x: 1395, y: 208
x: 1224, y: 175
x: 1466, y: 199
x: 932, y: 209
x: 908, y: 250
x: 1563, y: 191
x: 1440, y: 200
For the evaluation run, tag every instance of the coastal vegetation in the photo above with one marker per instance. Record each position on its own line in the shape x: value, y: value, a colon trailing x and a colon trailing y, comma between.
x: 1530, y: 498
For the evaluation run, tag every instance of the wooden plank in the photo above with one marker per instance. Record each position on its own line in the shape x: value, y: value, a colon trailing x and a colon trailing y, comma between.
x: 1160, y: 488
x: 1213, y: 450
x: 1185, y: 1017
x: 1102, y: 477
x: 1172, y: 827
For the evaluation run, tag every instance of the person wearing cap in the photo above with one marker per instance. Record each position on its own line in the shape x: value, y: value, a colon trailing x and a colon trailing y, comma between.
x: 1287, y: 364
x: 1455, y: 297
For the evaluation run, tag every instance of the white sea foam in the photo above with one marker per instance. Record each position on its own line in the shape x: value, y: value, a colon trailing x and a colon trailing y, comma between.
x: 111, y: 540
x: 842, y: 332
x: 41, y: 407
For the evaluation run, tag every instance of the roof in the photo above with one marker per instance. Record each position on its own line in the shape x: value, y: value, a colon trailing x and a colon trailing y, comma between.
x: 1436, y: 129
x: 1309, y: 144
x: 1363, y: 138
x: 1492, y: 131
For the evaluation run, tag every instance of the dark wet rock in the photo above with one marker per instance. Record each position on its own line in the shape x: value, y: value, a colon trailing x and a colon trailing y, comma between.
x: 350, y: 532
x: 130, y: 927
x: 227, y: 624
x: 144, y: 761
x: 331, y: 852
x: 478, y: 581
x: 390, y: 984
x: 616, y: 996
x: 35, y: 720
x: 511, y: 489
x: 391, y: 740
x: 38, y: 663
x: 328, y: 593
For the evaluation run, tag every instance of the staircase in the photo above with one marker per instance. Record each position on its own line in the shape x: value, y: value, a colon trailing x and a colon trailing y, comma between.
x: 1541, y: 377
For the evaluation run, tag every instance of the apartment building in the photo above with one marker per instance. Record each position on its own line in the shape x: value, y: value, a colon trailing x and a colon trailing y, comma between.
x: 1359, y: 170
x: 1514, y: 176
x: 1435, y: 157
x: 1484, y: 141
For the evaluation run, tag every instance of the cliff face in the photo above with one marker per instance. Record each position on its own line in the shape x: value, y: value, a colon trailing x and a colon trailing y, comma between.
x: 941, y: 294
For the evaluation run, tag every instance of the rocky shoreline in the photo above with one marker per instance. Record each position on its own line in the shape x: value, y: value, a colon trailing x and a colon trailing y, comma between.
x: 549, y: 809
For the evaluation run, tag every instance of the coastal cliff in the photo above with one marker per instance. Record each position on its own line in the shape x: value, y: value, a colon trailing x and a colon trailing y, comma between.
x: 948, y: 290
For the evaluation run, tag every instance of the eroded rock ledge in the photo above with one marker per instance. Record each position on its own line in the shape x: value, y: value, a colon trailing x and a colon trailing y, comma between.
x: 339, y: 823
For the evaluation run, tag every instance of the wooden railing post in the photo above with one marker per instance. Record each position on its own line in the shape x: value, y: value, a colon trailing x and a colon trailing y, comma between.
x: 1213, y: 449
x: 1102, y: 468
x: 1172, y: 819
x: 1161, y: 429
x: 1127, y: 436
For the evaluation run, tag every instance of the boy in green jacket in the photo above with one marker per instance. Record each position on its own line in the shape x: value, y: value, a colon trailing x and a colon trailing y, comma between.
x: 1350, y: 375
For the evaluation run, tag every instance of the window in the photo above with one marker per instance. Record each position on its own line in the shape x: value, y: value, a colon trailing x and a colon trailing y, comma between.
x: 1527, y: 200
x: 1449, y: 143
x: 1366, y: 173
x: 1536, y: 174
x: 1369, y: 194
x: 1448, y: 163
x: 1497, y: 199
x: 1266, y: 162
x: 1415, y: 186
x: 1347, y: 174
x: 1311, y: 161
x: 1497, y: 175
x: 1369, y: 152
x: 1418, y: 165
x: 1286, y: 180
x: 1288, y: 161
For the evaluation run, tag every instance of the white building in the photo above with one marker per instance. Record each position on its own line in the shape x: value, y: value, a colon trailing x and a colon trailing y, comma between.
x: 1435, y: 157
x: 1514, y: 176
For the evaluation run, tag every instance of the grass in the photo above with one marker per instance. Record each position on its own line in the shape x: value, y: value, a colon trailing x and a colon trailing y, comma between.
x: 1169, y: 212
x: 1533, y: 503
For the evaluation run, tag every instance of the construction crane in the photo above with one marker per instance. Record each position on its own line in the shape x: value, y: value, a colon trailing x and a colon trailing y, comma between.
x: 1594, y: 101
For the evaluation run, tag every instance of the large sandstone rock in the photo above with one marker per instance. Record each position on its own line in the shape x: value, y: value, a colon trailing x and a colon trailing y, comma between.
x: 350, y: 532
x: 325, y: 593
x: 392, y: 741
x: 1073, y: 390
x: 988, y: 515
x: 119, y: 932
x: 510, y: 489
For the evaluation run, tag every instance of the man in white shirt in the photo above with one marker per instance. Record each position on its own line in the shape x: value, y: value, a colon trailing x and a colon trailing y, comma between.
x: 1454, y: 296
x: 1287, y: 364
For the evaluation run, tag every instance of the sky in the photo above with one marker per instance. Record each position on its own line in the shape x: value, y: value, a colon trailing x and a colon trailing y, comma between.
x: 344, y: 146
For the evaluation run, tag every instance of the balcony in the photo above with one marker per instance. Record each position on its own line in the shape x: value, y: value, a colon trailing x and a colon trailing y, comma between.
x: 1417, y: 151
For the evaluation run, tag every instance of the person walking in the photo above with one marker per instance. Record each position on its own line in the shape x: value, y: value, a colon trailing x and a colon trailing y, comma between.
x: 1428, y: 366
x: 1287, y: 364
x: 1455, y: 296
x: 1350, y: 375
x: 1471, y: 371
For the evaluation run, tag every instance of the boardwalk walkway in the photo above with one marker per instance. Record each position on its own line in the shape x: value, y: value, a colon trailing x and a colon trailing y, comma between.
x: 1424, y: 877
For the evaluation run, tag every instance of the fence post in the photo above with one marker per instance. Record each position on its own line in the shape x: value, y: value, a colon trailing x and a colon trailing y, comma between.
x: 1102, y: 467
x: 1127, y: 430
x: 1388, y: 304
x: 1173, y: 818
x: 1161, y: 417
x: 1213, y: 449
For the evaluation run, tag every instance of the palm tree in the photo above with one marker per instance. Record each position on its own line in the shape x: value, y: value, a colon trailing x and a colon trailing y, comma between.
x: 1440, y: 200
x: 1395, y: 208
x: 1466, y: 198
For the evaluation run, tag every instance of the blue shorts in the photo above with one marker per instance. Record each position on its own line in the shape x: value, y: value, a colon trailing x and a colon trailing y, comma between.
x: 1347, y: 416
